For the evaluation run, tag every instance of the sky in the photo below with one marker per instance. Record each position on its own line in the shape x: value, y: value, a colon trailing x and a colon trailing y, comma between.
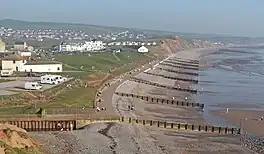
x: 227, y: 17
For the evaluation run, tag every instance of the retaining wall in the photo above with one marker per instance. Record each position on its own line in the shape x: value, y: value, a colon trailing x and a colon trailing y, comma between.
x: 42, y: 125
x: 179, y: 72
x: 181, y: 63
x: 160, y: 100
x: 173, y: 78
x: 181, y: 67
x: 162, y: 86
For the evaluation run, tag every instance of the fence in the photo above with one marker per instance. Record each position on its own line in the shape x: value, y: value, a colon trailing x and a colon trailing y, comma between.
x: 181, y: 63
x: 173, y: 78
x: 178, y: 72
x: 160, y: 100
x: 43, y: 125
x: 181, y: 67
x: 162, y: 86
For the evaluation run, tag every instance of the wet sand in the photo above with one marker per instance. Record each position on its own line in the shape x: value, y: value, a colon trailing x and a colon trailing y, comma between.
x: 247, y: 120
x: 237, y: 106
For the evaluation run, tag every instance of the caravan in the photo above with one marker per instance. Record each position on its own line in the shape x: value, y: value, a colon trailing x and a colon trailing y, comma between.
x: 32, y: 86
x: 48, y: 79
x: 59, y: 78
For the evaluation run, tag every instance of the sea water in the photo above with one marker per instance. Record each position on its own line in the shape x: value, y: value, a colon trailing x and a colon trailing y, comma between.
x: 236, y: 77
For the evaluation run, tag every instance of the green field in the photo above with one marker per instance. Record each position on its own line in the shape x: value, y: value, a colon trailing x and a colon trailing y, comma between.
x: 99, y: 61
x: 77, y: 96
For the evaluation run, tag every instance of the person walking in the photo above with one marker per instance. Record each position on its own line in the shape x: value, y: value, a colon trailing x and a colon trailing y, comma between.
x: 71, y: 126
x: 227, y: 110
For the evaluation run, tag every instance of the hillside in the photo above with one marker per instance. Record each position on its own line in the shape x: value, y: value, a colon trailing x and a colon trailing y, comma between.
x: 174, y: 44
x: 97, y: 29
x: 14, y: 140
x: 90, y: 29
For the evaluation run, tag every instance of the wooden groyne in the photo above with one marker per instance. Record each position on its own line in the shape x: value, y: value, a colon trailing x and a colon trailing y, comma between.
x: 181, y: 63
x: 191, y: 61
x: 64, y: 125
x: 162, y: 86
x: 42, y: 125
x: 178, y: 72
x: 173, y: 78
x: 161, y: 100
x: 181, y: 67
x: 180, y: 126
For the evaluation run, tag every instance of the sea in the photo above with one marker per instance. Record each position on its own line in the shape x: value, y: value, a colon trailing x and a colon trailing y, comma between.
x: 236, y: 76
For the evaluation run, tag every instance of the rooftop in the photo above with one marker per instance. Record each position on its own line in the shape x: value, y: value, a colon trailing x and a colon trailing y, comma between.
x: 19, y: 43
x: 14, y: 57
x: 42, y: 62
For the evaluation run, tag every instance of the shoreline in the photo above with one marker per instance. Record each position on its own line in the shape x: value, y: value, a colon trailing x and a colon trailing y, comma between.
x: 161, y: 112
x: 240, y: 115
x: 248, y: 121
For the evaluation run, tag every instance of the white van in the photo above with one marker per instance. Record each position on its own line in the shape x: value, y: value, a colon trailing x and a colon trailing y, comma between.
x: 32, y: 86
x: 48, y: 79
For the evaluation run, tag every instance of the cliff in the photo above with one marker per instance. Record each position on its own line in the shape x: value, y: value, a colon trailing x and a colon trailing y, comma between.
x: 175, y: 44
x: 14, y: 140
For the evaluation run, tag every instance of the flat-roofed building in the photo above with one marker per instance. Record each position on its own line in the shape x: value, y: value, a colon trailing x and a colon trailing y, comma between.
x: 42, y: 66
x: 14, y: 62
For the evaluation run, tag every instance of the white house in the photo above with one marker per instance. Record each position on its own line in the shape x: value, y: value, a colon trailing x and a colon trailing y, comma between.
x: 143, y: 49
x: 42, y: 66
x: 14, y: 62
x: 25, y: 53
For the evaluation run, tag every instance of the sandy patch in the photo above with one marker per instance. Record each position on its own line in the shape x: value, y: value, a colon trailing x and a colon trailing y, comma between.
x: 247, y: 120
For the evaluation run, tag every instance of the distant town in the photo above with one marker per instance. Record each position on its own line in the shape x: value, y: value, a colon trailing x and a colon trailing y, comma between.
x: 20, y: 47
x: 68, y: 40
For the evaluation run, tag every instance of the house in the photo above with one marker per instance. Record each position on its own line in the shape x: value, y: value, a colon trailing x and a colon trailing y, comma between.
x: 143, y: 49
x: 14, y: 62
x: 30, y: 48
x: 25, y: 53
x: 2, y: 46
x: 42, y: 66
x: 20, y: 45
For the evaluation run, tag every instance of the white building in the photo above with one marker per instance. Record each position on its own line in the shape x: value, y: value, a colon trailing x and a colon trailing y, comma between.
x: 14, y: 62
x: 42, y: 66
x: 143, y: 49
x: 87, y: 46
x: 25, y: 53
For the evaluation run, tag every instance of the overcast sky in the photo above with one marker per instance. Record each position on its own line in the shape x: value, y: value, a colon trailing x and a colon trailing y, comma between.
x: 233, y: 17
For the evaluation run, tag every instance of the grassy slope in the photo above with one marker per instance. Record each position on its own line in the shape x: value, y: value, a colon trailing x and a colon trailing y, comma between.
x: 100, y: 61
x: 80, y: 96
